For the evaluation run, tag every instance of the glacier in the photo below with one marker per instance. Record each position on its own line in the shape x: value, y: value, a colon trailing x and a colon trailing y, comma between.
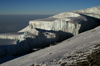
x: 43, y: 32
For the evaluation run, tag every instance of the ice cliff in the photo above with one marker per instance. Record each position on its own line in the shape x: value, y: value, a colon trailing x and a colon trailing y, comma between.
x: 73, y: 22
x: 42, y: 32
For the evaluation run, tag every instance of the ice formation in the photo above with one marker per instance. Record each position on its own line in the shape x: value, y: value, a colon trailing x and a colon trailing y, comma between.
x: 43, y: 32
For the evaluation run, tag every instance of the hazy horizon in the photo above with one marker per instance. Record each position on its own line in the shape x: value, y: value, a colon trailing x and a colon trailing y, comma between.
x: 14, y: 23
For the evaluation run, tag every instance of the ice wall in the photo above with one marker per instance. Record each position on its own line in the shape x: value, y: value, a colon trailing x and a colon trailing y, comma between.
x: 15, y: 35
x: 74, y: 25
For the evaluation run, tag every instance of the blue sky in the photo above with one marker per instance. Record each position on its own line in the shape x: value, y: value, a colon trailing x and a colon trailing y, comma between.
x: 42, y: 7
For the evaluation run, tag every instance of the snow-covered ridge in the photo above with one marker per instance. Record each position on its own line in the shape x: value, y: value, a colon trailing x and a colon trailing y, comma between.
x: 42, y: 32
x: 66, y: 14
x: 93, y: 12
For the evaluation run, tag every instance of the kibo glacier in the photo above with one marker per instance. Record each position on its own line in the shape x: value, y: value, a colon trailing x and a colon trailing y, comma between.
x: 41, y: 33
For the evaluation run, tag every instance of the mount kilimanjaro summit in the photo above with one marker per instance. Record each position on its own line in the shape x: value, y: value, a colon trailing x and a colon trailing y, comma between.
x: 71, y: 31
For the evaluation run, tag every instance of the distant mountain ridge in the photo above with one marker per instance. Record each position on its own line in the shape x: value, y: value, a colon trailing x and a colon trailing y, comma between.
x: 94, y: 12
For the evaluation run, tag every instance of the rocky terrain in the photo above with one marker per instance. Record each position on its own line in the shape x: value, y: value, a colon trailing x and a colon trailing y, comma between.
x: 42, y: 33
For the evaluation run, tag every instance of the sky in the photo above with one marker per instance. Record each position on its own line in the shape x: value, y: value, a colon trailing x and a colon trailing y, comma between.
x: 43, y: 7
